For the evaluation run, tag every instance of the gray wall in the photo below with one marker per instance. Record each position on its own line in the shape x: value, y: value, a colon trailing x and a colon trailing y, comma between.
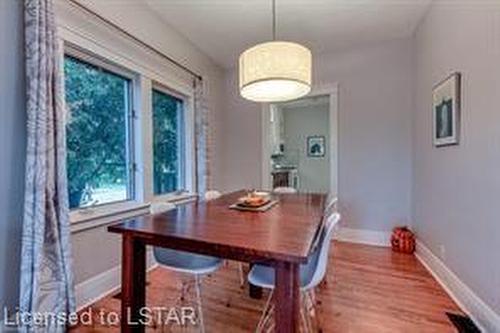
x: 94, y: 251
x: 301, y: 122
x: 243, y: 138
x: 12, y: 148
x: 457, y: 189
x: 374, y: 114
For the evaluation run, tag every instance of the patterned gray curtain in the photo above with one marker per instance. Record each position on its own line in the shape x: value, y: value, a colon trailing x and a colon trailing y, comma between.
x: 202, y: 139
x: 46, y: 270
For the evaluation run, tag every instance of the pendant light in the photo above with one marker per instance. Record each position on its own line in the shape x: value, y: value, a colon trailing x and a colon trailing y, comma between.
x: 275, y: 71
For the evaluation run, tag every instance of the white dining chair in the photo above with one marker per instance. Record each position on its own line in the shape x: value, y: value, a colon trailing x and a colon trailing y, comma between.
x: 212, y: 195
x: 311, y: 275
x: 331, y: 202
x: 284, y: 189
x: 160, y: 207
x: 192, y: 264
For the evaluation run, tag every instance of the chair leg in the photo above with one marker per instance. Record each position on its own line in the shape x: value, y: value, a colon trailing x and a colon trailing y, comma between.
x: 308, y: 307
x: 265, y: 314
x: 303, y: 320
x: 271, y: 328
x: 269, y: 319
x: 314, y: 311
x: 198, y: 299
x: 184, y: 290
x: 312, y: 295
x: 242, y: 274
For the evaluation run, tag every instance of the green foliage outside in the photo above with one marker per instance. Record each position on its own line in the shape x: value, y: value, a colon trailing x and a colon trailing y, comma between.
x: 96, y: 130
x: 166, y: 129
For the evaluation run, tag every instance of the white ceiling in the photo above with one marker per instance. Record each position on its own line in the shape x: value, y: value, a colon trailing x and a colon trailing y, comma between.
x: 224, y: 28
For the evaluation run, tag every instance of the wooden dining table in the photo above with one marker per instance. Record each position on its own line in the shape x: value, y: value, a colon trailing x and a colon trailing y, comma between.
x: 282, y: 236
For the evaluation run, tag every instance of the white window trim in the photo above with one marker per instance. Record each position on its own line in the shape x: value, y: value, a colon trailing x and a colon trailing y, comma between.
x: 86, y: 34
x: 92, y: 217
x: 85, y: 214
x: 189, y: 144
x: 177, y: 199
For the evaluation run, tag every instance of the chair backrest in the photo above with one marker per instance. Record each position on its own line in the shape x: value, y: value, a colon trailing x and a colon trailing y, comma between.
x: 331, y: 201
x: 323, y: 250
x: 160, y: 207
x: 284, y: 189
x: 212, y: 195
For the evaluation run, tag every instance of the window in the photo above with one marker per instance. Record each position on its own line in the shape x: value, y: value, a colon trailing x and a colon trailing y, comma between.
x: 99, y: 135
x: 168, y: 143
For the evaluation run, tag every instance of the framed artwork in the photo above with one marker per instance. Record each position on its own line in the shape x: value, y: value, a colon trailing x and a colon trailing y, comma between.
x: 446, y: 111
x: 316, y: 146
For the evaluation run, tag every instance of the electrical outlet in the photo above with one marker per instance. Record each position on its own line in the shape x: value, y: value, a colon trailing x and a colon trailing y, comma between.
x: 442, y: 252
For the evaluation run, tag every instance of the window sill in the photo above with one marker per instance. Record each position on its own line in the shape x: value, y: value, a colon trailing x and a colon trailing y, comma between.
x: 89, y: 218
x: 177, y: 199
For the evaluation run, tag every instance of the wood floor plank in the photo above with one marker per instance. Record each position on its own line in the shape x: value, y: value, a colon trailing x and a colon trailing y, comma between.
x: 368, y: 289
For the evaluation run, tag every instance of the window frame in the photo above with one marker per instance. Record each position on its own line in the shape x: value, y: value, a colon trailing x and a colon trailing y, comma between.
x: 181, y: 137
x: 78, y: 214
x: 145, y: 74
x: 188, y: 145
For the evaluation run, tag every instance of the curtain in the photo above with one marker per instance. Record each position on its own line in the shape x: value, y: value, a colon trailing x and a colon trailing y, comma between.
x: 203, y: 176
x: 46, y: 269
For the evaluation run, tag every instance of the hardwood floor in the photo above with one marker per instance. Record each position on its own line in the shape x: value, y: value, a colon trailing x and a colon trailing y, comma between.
x: 368, y: 289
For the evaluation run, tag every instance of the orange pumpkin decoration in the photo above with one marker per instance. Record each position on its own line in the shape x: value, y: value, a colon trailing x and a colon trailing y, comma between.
x: 403, y: 240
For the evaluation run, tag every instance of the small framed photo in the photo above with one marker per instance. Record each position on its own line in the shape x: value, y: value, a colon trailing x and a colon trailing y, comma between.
x: 316, y: 146
x: 446, y: 111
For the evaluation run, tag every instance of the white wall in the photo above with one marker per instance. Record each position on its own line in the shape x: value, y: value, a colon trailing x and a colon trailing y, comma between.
x: 457, y: 188
x: 12, y: 148
x: 301, y: 122
x: 375, y: 104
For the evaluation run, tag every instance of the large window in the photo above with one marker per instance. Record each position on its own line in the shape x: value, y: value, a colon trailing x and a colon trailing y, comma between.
x: 168, y: 143
x: 99, y: 154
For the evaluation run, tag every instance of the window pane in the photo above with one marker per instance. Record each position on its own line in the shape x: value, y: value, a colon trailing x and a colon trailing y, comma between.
x: 97, y: 134
x: 168, y: 143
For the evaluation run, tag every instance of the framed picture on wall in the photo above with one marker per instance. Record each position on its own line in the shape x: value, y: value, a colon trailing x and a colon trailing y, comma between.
x: 446, y: 111
x: 316, y: 146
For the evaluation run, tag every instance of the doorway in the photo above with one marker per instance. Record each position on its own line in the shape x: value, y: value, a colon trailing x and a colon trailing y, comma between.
x: 300, y: 143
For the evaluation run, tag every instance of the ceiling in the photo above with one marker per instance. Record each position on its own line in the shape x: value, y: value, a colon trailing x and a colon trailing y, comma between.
x: 224, y: 28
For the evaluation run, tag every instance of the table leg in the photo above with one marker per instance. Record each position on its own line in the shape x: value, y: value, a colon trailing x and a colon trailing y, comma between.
x: 287, y: 297
x: 133, y: 284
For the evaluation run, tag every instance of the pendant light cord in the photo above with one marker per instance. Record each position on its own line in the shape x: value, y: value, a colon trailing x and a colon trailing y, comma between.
x: 274, y: 19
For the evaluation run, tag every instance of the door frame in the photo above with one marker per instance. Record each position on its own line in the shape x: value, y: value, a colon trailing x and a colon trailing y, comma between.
x: 332, y: 91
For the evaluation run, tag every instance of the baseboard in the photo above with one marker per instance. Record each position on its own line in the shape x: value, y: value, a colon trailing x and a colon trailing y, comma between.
x: 368, y: 237
x: 483, y: 316
x: 104, y: 284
